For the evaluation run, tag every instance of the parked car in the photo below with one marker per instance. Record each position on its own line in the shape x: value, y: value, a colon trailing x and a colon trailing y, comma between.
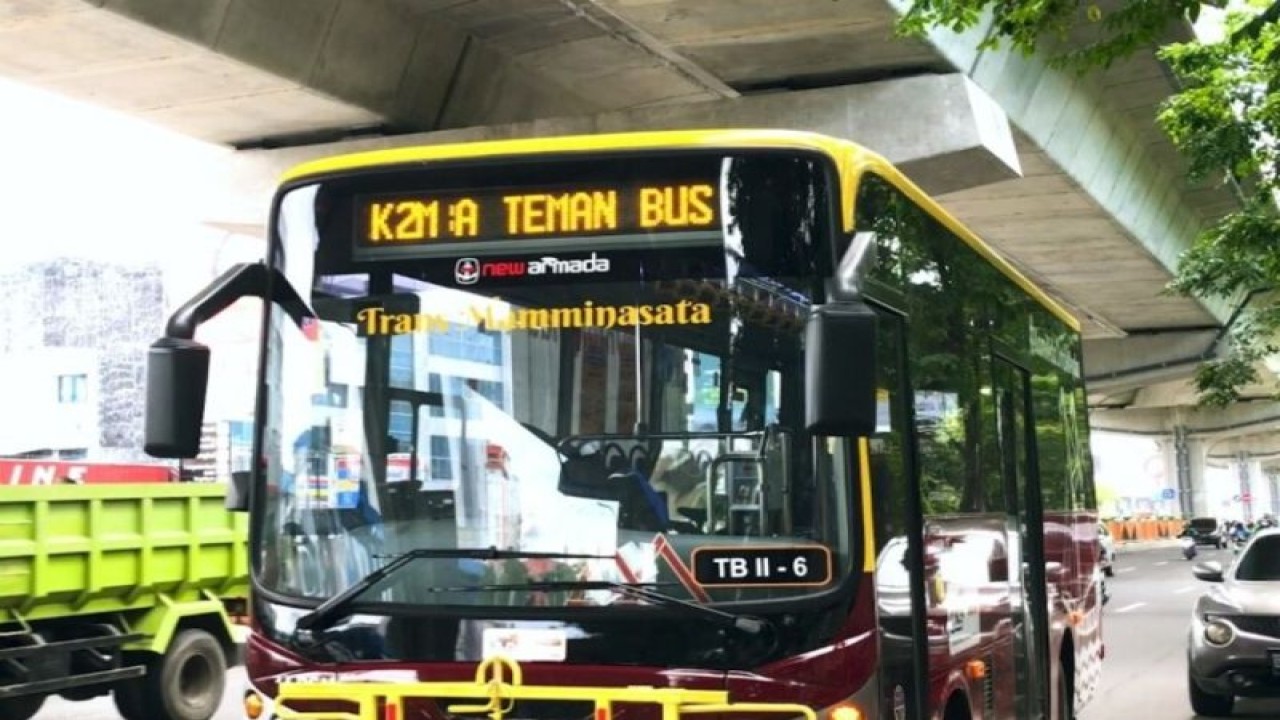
x: 1235, y: 629
x: 1206, y: 531
x: 1108, y: 543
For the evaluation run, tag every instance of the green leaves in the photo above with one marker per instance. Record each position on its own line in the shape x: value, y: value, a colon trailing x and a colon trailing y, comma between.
x: 1237, y: 254
x: 1219, y: 381
x: 1030, y: 24
x: 1225, y: 121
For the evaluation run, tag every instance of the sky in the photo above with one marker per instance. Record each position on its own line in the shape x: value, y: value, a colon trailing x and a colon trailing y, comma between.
x: 79, y: 180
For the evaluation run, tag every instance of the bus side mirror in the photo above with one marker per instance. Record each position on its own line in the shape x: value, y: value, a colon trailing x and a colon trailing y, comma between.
x: 840, y: 370
x: 177, y: 377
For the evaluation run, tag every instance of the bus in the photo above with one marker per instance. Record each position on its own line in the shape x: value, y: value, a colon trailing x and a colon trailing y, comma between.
x: 736, y: 422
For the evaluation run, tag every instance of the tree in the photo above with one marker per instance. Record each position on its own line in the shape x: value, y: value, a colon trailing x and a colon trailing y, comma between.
x: 1225, y: 120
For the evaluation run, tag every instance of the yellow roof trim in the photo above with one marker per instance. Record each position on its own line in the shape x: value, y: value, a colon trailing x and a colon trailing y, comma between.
x: 870, y: 161
x: 850, y: 161
x: 657, y: 140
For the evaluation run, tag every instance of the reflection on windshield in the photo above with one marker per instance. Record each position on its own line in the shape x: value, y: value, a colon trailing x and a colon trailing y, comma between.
x: 412, y: 440
x: 637, y: 401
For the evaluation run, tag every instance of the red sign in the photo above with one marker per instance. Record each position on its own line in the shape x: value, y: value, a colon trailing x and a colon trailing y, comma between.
x: 53, y: 472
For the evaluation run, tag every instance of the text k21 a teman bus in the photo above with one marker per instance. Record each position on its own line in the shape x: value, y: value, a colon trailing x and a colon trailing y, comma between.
x: 651, y: 424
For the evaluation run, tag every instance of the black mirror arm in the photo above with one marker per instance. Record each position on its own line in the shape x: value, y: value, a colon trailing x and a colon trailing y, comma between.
x: 240, y: 280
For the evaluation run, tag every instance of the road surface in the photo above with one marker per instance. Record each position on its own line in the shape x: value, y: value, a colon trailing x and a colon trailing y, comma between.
x: 1145, y: 626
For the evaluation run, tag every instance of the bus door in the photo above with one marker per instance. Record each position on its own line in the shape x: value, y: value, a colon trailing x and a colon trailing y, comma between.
x: 899, y: 571
x: 1024, y: 523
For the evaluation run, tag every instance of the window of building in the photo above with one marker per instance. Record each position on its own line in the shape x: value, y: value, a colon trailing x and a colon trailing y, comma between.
x: 441, y: 458
x: 400, y: 426
x: 464, y: 342
x: 451, y: 387
x: 401, y: 365
x: 334, y: 396
x: 73, y: 389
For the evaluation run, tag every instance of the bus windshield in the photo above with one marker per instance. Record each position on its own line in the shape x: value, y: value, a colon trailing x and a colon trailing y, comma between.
x: 597, y: 359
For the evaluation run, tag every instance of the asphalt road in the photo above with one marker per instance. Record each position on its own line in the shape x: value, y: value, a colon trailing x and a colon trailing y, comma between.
x: 1145, y: 628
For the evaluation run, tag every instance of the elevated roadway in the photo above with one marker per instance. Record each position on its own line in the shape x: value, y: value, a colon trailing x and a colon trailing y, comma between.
x: 1067, y: 175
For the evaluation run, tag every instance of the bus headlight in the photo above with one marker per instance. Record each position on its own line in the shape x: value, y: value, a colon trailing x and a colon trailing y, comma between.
x: 845, y: 711
x: 1218, y: 632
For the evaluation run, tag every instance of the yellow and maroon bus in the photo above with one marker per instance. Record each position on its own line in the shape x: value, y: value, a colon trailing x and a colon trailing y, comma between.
x: 732, y: 422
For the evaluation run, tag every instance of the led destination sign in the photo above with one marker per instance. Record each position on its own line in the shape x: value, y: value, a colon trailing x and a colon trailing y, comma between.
x: 423, y: 219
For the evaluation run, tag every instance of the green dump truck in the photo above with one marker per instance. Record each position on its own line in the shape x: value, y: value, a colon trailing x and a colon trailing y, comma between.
x: 125, y: 589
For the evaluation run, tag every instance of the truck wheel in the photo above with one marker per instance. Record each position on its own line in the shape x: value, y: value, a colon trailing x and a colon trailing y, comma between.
x: 186, y: 683
x: 23, y: 707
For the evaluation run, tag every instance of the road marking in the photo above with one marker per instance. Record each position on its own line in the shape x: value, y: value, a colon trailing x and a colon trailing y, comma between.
x: 1126, y: 569
x: 1186, y: 589
x: 1134, y: 606
x: 1162, y: 562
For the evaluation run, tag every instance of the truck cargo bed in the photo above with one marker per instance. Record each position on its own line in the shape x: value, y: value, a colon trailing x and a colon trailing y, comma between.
x: 80, y: 549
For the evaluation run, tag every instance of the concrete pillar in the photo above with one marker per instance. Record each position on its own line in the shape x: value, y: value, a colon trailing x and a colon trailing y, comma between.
x: 1182, y: 470
x: 1243, y: 464
x: 1197, y: 461
x: 1189, y: 457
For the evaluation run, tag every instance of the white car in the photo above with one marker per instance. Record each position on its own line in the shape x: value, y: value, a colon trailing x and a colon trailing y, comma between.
x: 1108, y: 544
x: 1235, y: 629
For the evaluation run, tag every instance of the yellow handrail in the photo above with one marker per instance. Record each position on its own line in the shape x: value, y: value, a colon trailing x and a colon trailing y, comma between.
x: 499, y: 681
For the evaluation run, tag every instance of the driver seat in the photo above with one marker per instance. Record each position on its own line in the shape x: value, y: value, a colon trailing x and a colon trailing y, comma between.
x: 640, y: 507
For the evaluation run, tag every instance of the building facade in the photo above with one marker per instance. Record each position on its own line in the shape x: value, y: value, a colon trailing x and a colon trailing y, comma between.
x: 73, y: 343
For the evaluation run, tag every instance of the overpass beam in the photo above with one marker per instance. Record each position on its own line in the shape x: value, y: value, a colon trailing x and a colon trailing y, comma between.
x: 943, y: 131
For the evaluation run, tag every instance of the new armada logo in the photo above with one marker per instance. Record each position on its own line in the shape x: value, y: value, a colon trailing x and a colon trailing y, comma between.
x: 468, y: 271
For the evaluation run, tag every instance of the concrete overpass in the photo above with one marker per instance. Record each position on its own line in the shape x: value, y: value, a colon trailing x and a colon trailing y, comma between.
x: 1067, y: 175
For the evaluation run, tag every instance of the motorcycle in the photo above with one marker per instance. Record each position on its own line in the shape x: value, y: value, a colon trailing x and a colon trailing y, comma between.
x: 1188, y: 547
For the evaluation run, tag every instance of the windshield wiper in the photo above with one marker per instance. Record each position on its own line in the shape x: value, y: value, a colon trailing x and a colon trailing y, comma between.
x: 643, y: 591
x: 746, y: 623
x: 333, y: 608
